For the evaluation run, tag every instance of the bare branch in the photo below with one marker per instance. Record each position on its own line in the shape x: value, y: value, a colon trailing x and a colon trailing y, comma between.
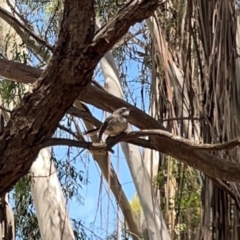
x: 192, y: 154
x: 19, y: 72
x: 167, y: 135
x: 32, y: 40
x: 68, y: 131
x: 94, y: 147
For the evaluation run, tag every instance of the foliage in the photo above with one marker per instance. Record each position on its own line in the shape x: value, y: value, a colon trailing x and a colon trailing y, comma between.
x: 25, y: 216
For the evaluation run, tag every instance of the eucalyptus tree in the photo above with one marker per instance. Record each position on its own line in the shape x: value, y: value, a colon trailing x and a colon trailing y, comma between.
x: 183, y: 64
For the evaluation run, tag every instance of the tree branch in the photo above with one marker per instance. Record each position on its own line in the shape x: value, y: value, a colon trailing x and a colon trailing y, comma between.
x: 94, y: 147
x: 192, y: 154
x: 32, y: 40
x: 19, y: 72
x: 66, y: 76
x: 109, y: 103
x: 189, y: 153
x: 171, y: 137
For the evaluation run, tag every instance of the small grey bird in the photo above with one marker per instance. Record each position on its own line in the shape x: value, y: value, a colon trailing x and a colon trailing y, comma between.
x: 114, y: 125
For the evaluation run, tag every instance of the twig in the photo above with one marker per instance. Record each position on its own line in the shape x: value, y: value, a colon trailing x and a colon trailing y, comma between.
x: 26, y: 29
x: 67, y: 130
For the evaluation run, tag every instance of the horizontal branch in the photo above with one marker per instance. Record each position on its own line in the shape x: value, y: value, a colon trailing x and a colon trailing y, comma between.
x: 109, y: 103
x: 167, y: 135
x: 192, y: 154
x: 94, y: 147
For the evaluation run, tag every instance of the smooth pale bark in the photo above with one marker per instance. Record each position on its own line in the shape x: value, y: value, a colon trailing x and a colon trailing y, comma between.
x: 48, y: 199
x: 155, y: 222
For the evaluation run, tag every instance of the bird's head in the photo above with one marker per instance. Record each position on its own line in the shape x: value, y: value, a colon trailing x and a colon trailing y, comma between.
x: 123, y: 111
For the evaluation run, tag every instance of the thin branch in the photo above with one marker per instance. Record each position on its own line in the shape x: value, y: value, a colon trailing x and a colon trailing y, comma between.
x: 20, y: 16
x: 10, y: 19
x: 68, y: 130
x: 164, y: 134
x: 79, y: 133
x: 31, y: 39
x: 102, y: 147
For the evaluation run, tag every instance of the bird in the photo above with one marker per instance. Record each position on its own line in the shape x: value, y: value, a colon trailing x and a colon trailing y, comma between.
x: 113, y: 125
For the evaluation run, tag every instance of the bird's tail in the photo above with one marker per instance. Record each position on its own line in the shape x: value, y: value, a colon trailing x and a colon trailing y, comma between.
x: 91, y: 132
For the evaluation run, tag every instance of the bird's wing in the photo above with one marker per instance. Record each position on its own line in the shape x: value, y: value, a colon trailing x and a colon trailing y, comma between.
x: 104, y: 127
x: 91, y: 132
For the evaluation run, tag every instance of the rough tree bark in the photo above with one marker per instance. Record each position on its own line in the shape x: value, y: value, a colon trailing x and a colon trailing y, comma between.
x: 68, y: 73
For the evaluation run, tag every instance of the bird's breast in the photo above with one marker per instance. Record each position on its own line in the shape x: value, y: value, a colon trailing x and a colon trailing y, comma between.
x: 117, y: 127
